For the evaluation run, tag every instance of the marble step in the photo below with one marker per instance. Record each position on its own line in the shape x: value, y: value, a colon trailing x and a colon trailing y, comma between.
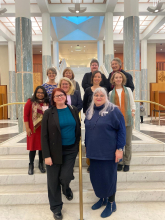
x: 136, y: 147
x: 136, y: 173
x: 139, y: 158
x: 137, y: 211
x: 37, y: 194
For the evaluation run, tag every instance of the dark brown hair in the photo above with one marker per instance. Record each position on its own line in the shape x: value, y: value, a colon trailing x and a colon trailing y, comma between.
x: 94, y: 61
x: 68, y: 70
x: 93, y: 75
x: 53, y: 93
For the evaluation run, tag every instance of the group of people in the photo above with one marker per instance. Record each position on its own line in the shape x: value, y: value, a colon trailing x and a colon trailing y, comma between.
x: 53, y: 128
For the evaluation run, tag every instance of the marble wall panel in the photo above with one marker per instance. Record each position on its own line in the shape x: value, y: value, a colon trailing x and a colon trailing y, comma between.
x: 46, y: 63
x: 144, y: 87
x: 108, y: 59
x: 12, y: 94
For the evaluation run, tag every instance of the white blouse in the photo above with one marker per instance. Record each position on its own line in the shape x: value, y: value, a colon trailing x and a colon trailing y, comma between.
x: 132, y: 103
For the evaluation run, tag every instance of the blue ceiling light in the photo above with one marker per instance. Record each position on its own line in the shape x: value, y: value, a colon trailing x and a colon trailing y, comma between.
x: 78, y: 20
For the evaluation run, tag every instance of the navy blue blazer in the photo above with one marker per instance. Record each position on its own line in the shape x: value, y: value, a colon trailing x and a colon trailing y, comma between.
x: 76, y: 100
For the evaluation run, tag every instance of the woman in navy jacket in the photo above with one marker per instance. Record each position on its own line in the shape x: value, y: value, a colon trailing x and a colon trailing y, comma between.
x: 73, y: 96
x: 105, y: 136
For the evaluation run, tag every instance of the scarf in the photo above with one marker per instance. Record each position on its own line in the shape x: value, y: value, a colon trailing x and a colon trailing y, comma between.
x: 112, y: 86
x: 37, y: 114
x: 125, y: 104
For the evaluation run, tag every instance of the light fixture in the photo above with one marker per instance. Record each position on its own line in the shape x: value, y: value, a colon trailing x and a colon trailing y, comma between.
x: 70, y: 46
x: 161, y: 49
x: 114, y: 50
x: 40, y: 51
x: 157, y: 7
x: 84, y: 46
x: 71, y: 51
x: 77, y: 8
x: 77, y: 50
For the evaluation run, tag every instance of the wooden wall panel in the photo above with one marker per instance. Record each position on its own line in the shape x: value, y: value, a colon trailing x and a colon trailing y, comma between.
x: 3, y: 100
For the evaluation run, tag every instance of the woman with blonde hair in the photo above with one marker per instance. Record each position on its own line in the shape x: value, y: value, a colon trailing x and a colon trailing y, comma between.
x: 70, y: 75
x: 73, y: 96
x: 123, y: 97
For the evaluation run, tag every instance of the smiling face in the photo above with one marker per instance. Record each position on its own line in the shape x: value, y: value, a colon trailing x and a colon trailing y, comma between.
x: 115, y: 66
x: 51, y: 75
x: 118, y: 79
x: 68, y: 74
x: 40, y: 94
x: 94, y: 67
x: 59, y: 98
x: 99, y: 99
x: 97, y: 79
x: 65, y: 86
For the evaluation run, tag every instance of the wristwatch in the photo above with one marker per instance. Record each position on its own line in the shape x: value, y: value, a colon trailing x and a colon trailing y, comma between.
x: 120, y: 149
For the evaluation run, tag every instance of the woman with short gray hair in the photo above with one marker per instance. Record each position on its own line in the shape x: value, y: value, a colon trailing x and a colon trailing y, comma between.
x: 116, y: 65
x: 104, y: 140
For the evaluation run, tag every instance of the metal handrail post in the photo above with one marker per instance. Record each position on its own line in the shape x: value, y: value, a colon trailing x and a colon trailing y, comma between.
x: 80, y: 177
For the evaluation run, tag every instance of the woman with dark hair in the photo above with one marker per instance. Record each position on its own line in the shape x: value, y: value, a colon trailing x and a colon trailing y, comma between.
x: 95, y: 80
x: 60, y: 140
x: 51, y: 84
x: 33, y: 113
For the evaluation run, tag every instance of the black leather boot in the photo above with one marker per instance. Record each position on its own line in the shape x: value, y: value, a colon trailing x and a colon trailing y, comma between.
x: 41, y: 168
x: 31, y: 168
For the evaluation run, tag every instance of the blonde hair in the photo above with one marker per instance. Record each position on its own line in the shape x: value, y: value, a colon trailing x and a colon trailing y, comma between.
x: 123, y: 76
x: 68, y: 70
x: 71, y: 90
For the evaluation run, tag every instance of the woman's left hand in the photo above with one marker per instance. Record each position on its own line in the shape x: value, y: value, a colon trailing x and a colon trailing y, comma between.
x: 118, y: 155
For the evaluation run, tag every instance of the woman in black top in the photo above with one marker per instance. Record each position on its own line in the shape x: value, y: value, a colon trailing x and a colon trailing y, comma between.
x: 95, y: 80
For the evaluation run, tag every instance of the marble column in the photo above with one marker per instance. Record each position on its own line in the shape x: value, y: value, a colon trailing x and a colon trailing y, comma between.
x: 24, y: 76
x: 144, y: 73
x: 56, y: 54
x: 109, y: 48
x: 131, y: 49
x: 12, y: 79
x: 46, y: 45
x: 100, y: 52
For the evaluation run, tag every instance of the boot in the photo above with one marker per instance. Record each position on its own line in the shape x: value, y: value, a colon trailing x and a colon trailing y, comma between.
x: 101, y: 202
x: 31, y: 168
x: 110, y: 208
x: 41, y: 167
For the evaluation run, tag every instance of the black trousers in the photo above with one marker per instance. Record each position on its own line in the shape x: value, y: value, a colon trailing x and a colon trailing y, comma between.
x: 60, y: 175
x: 112, y: 198
x: 141, y: 117
x: 32, y: 156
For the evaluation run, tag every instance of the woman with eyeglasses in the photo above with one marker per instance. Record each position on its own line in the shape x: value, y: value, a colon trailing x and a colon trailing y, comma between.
x: 60, y: 140
x: 51, y: 84
x: 33, y: 114
x: 73, y: 96
x: 104, y: 140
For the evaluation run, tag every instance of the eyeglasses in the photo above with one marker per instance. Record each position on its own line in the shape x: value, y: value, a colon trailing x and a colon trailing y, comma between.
x: 59, y: 96
x: 41, y: 93
x: 65, y: 84
x: 99, y: 96
x: 51, y: 74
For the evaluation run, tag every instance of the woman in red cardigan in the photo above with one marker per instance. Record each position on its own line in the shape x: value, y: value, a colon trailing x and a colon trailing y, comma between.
x: 33, y: 114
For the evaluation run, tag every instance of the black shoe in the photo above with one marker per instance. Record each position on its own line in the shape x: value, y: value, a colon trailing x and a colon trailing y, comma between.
x: 119, y: 167
x: 57, y: 215
x: 31, y: 168
x: 88, y: 169
x: 41, y: 168
x: 126, y: 168
x: 69, y: 194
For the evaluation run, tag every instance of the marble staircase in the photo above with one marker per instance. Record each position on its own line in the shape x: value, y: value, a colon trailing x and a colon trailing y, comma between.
x: 144, y: 182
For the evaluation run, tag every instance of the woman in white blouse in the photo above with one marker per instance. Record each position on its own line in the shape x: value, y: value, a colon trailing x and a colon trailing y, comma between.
x: 123, y: 97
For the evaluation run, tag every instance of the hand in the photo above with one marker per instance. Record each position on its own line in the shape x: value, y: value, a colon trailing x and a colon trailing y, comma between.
x: 29, y: 132
x: 48, y: 161
x: 118, y: 155
x: 133, y: 114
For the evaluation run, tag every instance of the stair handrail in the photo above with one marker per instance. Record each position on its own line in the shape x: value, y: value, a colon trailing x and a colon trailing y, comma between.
x: 104, y: 70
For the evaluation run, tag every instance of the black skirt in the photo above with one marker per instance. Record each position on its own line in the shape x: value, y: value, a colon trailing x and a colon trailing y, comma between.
x: 103, y: 175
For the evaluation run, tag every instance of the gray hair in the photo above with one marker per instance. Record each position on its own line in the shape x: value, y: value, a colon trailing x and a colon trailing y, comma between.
x: 107, y: 107
x: 117, y: 60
